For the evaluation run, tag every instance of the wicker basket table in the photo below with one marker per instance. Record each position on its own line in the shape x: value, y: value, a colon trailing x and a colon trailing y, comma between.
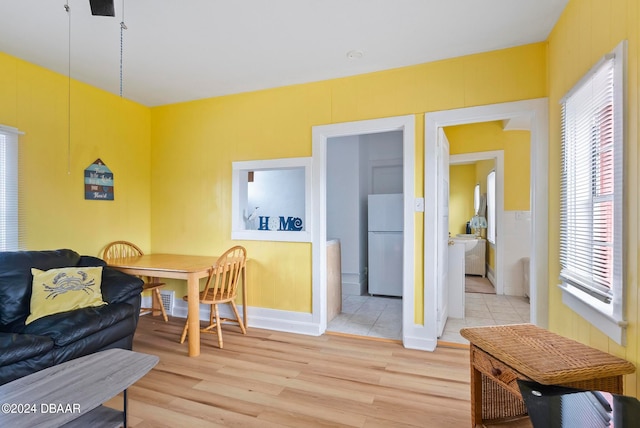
x: 500, y: 355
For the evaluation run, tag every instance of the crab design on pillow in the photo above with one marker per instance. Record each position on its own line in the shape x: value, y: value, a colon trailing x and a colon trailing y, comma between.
x: 63, y: 283
x: 64, y: 289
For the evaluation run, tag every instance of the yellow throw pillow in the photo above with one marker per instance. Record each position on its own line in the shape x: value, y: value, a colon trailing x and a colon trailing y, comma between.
x: 64, y: 289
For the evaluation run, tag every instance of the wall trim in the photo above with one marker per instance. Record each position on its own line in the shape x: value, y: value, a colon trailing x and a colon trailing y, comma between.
x: 269, y: 319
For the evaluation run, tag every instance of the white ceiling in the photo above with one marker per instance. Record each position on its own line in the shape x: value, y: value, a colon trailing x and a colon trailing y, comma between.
x: 180, y: 50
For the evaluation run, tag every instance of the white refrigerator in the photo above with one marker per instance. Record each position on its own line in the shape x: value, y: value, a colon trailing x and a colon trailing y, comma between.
x: 385, y: 223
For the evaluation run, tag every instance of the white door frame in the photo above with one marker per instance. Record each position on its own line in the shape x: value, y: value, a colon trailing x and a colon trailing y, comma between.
x: 320, y: 135
x: 537, y: 111
x: 442, y: 207
x: 498, y: 157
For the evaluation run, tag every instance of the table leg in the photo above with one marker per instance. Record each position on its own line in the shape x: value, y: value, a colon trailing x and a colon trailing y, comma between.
x: 244, y: 296
x: 155, y: 309
x: 124, y: 413
x: 193, y: 318
x: 476, y: 394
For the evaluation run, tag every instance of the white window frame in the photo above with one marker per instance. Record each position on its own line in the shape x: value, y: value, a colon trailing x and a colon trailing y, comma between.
x: 608, y: 317
x: 239, y: 190
x: 491, y: 207
x: 9, y: 212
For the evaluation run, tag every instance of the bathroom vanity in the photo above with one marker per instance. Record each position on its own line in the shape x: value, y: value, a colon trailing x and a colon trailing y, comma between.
x: 475, y: 259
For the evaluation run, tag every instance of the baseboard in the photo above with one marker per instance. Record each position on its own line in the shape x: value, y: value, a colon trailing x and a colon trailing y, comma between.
x: 354, y: 289
x: 419, y: 343
x: 491, y: 276
x: 414, y: 338
x: 268, y: 319
x: 299, y: 323
x: 353, y: 285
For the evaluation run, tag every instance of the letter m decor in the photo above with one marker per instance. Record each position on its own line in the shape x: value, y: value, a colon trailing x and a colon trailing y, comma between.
x: 291, y: 223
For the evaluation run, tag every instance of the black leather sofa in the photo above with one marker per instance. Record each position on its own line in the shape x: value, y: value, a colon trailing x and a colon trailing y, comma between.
x: 60, y: 337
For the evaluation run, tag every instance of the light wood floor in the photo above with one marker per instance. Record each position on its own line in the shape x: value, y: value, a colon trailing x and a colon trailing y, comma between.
x: 271, y: 379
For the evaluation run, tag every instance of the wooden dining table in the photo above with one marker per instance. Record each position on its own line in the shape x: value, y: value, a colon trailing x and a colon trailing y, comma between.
x: 185, y: 267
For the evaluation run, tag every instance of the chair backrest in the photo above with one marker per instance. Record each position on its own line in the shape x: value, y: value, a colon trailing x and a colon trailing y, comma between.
x: 119, y: 249
x: 225, y: 274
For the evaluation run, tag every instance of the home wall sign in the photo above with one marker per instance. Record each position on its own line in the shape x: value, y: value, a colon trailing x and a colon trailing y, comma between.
x: 98, y: 182
x: 280, y: 223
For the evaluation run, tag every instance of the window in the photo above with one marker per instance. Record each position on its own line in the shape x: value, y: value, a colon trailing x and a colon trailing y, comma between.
x: 476, y: 199
x: 591, y: 195
x: 9, y: 236
x: 271, y: 200
x: 491, y: 207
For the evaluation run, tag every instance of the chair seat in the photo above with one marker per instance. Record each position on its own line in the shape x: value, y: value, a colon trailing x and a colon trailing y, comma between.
x: 211, y: 298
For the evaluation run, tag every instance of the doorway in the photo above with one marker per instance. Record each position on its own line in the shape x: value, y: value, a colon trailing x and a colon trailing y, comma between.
x: 364, y: 192
x: 535, y: 111
x: 497, y: 157
x: 321, y: 136
x: 485, y: 303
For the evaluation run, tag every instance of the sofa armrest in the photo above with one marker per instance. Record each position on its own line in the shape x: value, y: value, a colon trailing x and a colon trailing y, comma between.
x: 118, y: 286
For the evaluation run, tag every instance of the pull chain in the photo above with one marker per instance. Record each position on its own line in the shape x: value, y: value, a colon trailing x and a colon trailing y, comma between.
x: 67, y: 8
x: 122, y: 28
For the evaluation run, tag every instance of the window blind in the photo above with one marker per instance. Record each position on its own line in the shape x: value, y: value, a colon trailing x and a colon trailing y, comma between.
x: 9, y: 213
x: 591, y: 178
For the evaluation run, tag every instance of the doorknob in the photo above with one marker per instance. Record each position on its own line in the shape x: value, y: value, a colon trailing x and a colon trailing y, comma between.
x: 451, y: 243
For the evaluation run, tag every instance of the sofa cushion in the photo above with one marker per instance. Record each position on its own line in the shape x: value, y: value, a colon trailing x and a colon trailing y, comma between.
x: 64, y: 289
x: 118, y: 286
x: 15, y: 278
x: 18, y: 347
x: 119, y: 335
x: 67, y: 327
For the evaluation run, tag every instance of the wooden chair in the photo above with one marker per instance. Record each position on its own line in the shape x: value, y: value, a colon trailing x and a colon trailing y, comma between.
x: 119, y: 249
x: 222, y: 287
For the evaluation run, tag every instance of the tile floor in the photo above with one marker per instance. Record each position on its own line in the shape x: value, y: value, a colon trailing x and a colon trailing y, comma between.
x: 382, y: 316
x: 486, y: 309
x: 369, y: 316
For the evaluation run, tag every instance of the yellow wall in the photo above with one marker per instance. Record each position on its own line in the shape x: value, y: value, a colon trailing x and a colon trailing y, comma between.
x: 491, y: 256
x: 462, y: 180
x: 489, y: 136
x: 194, y: 144
x: 586, y: 31
x: 35, y: 100
x: 483, y: 168
x: 178, y: 198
